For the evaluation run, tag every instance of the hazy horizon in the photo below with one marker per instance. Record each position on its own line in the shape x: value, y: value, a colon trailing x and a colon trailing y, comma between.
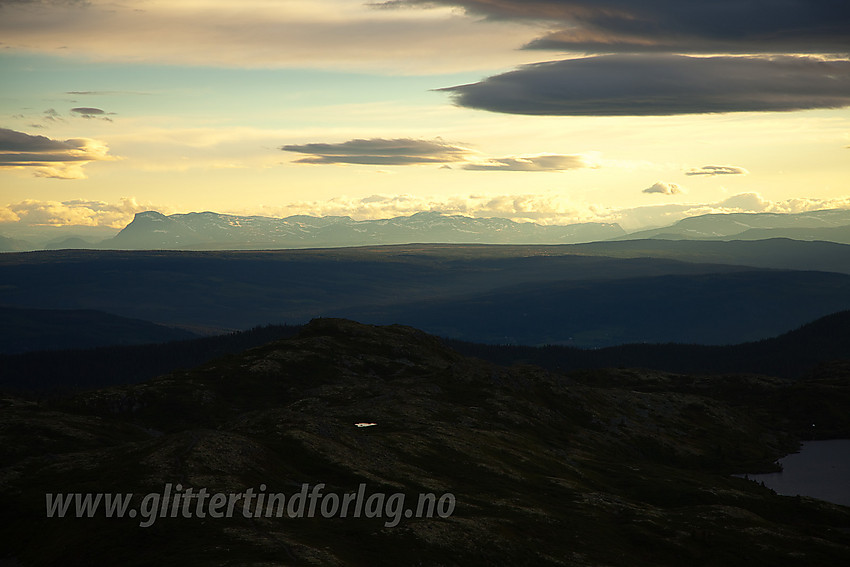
x: 44, y: 234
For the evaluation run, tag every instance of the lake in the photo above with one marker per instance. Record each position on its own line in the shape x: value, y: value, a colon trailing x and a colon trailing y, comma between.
x: 821, y: 470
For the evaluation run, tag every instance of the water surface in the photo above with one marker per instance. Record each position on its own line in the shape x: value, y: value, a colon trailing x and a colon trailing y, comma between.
x: 821, y: 470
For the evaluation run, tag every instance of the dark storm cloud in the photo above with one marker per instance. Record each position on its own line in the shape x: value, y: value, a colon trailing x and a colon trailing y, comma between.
x: 380, y: 151
x: 678, y: 26
x: 717, y: 170
x: 533, y: 163
x: 619, y: 85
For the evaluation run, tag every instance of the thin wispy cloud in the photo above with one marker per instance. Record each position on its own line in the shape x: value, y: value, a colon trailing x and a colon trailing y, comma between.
x: 262, y: 33
x: 51, y: 115
x: 104, y: 93
x: 646, y: 85
x: 549, y: 162
x: 46, y: 157
x: 717, y: 170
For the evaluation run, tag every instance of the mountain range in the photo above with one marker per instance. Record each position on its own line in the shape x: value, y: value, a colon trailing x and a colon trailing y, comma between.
x: 152, y: 230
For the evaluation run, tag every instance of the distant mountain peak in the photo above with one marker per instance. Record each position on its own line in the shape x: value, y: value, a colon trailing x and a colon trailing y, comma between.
x: 149, y: 215
x: 827, y: 224
x: 431, y: 214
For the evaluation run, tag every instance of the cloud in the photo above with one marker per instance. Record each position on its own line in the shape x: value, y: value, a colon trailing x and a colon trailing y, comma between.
x: 71, y: 3
x: 343, y: 34
x: 747, y: 202
x: 636, y: 26
x: 802, y: 205
x: 661, y: 215
x: 104, y: 93
x: 717, y: 170
x: 664, y: 188
x: 409, y: 151
x: 77, y: 212
x: 547, y: 162
x: 61, y: 159
x: 550, y: 208
x: 639, y: 85
x: 380, y: 151
x: 52, y: 116
x: 88, y: 112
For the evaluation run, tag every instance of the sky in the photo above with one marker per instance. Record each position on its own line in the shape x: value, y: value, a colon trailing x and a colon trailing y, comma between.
x: 639, y: 112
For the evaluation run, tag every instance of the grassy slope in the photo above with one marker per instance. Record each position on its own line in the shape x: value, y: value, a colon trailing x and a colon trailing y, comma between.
x: 606, y: 468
